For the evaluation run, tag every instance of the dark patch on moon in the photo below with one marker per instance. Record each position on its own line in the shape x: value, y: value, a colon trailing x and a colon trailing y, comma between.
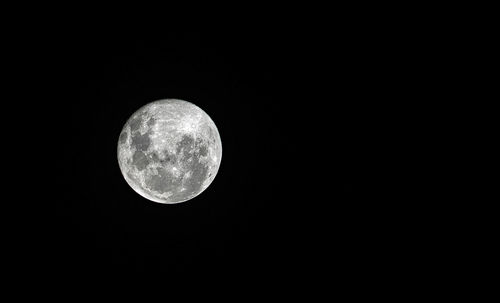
x: 182, y: 195
x: 211, y: 135
x: 140, y: 160
x: 193, y: 184
x: 168, y: 158
x: 198, y: 176
x: 151, y: 122
x: 202, y: 149
x: 123, y: 138
x: 186, y: 144
x: 141, y: 142
x: 163, y: 182
x: 135, y: 123
x: 154, y: 157
x: 198, y: 170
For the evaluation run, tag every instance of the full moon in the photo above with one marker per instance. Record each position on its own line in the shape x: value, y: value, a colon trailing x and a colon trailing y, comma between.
x: 169, y: 151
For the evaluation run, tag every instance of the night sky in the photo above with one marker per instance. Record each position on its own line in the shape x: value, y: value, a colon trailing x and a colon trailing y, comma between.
x: 296, y: 111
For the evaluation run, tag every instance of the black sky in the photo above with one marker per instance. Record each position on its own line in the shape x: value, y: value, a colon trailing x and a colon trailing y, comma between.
x: 295, y: 110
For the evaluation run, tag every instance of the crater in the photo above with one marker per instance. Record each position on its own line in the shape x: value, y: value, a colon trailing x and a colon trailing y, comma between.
x: 151, y: 122
x: 154, y: 156
x: 168, y: 158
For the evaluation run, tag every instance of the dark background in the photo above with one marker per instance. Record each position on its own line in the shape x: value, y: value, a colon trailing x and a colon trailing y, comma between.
x: 299, y: 111
x: 332, y: 124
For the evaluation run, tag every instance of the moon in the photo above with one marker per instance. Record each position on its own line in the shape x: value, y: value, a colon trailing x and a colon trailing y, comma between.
x: 169, y: 151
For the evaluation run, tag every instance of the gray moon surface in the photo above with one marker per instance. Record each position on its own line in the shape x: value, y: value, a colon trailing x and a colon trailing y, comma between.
x: 169, y: 151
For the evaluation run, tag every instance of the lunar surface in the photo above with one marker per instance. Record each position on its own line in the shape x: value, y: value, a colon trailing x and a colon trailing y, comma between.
x: 169, y: 151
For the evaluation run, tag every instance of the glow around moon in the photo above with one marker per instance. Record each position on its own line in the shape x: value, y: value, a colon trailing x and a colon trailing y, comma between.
x: 169, y: 151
